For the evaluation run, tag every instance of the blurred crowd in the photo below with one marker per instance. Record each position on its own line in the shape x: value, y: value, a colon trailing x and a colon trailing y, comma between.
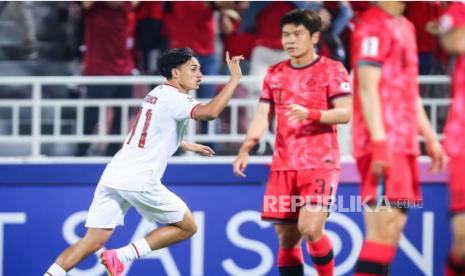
x: 123, y: 38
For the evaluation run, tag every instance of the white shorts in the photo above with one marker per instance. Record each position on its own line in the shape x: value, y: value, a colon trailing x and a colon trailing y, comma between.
x: 157, y: 203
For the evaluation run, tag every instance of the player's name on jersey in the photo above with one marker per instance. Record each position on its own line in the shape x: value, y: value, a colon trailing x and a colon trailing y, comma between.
x: 150, y: 99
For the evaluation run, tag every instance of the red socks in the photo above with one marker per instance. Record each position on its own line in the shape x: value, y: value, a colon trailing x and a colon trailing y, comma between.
x: 290, y: 261
x: 321, y: 252
x: 374, y: 259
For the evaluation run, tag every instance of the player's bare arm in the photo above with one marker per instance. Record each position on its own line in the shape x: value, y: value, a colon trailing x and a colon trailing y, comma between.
x: 259, y: 125
x: 433, y: 147
x: 454, y: 41
x: 213, y: 108
x: 197, y: 148
x: 340, y: 114
x: 368, y: 80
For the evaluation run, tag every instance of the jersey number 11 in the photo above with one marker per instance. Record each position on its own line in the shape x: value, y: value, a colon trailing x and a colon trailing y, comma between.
x: 143, y: 135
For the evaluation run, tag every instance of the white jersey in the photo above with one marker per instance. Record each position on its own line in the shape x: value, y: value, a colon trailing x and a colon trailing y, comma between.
x: 160, y: 125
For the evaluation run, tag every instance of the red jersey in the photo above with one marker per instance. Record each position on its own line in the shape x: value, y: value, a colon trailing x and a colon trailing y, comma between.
x: 107, y: 40
x: 305, y: 144
x: 191, y: 24
x: 382, y: 40
x: 149, y: 10
x: 454, y: 17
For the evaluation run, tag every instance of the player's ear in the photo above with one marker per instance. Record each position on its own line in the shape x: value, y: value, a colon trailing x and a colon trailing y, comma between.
x: 175, y: 73
x: 315, y: 37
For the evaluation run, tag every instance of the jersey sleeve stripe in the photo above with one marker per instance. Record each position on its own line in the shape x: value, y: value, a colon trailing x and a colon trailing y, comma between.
x: 193, y: 109
x: 369, y: 62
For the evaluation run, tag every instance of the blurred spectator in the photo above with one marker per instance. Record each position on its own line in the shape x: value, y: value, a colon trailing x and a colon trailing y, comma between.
x: 24, y: 20
x: 192, y: 24
x: 106, y: 37
x: 234, y: 41
x: 261, y: 19
x: 420, y: 13
x: 335, y: 19
x: 150, y: 40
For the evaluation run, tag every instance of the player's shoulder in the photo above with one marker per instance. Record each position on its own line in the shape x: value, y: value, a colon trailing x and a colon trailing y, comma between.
x: 330, y: 63
x: 278, y: 66
x: 408, y: 23
x: 372, y: 20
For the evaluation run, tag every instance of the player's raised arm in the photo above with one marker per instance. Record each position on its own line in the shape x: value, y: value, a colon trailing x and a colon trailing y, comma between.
x: 213, y: 108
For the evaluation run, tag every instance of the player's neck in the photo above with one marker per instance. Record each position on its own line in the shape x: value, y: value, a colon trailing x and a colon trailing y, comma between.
x: 304, y: 60
x: 392, y: 8
x: 176, y: 85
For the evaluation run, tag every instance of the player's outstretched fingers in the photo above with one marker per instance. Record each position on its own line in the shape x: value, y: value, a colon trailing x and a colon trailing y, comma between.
x: 228, y: 60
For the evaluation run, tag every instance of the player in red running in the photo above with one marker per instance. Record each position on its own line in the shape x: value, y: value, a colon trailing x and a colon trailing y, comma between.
x: 452, y: 31
x: 133, y: 176
x: 309, y: 95
x: 388, y: 116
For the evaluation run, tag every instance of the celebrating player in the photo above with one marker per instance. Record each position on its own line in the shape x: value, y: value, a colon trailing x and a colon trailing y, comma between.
x: 132, y: 178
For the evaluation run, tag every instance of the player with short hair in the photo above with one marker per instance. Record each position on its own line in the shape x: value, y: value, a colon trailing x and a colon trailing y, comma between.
x: 132, y: 178
x: 309, y: 95
x: 388, y: 116
x: 452, y: 32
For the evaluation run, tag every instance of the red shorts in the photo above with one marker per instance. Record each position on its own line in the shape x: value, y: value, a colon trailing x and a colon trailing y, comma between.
x: 457, y: 184
x: 401, y: 187
x: 287, y: 191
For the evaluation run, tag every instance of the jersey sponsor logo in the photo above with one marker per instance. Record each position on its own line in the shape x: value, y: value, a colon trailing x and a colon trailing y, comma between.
x: 370, y: 46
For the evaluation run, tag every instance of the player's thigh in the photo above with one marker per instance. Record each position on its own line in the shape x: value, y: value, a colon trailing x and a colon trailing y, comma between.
x: 288, y: 235
x: 457, y: 184
x: 157, y: 203
x: 107, y: 209
x: 312, y: 220
x: 385, y: 224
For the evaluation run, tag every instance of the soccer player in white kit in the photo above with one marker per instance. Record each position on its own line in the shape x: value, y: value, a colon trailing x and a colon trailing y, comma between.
x: 132, y: 178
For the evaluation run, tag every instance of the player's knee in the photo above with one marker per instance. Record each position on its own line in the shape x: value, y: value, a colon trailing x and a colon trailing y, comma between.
x: 189, y: 229
x: 311, y: 231
x: 288, y: 240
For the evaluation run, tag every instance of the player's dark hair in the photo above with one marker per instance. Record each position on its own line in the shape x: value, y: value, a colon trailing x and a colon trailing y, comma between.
x: 308, y: 18
x: 172, y: 59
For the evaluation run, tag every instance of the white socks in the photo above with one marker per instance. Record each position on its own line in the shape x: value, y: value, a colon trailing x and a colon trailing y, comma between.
x: 132, y: 251
x: 55, y: 270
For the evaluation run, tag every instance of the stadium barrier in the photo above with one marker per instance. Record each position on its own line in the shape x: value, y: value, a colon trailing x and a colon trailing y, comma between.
x: 44, y: 115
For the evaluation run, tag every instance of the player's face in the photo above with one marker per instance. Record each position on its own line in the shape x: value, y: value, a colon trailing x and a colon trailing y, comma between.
x: 297, y: 41
x: 189, y: 75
